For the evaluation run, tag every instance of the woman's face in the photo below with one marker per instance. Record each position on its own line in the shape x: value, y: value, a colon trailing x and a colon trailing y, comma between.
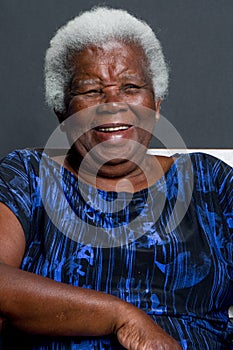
x: 109, y: 88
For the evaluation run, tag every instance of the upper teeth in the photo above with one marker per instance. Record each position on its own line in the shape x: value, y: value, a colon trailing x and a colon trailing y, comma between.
x: 115, y: 128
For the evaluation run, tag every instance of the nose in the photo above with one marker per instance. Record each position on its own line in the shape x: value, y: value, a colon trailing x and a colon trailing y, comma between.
x: 112, y: 107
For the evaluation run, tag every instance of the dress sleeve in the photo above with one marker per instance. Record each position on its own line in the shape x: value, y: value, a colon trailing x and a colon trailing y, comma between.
x: 223, y: 181
x: 15, y: 187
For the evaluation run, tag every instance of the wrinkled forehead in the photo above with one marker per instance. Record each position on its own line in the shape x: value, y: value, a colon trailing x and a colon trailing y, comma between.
x: 113, y: 52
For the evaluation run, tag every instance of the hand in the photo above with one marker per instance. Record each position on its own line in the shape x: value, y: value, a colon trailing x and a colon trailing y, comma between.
x: 140, y: 332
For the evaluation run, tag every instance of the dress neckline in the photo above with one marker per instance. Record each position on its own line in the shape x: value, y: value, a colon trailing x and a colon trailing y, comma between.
x: 159, y: 184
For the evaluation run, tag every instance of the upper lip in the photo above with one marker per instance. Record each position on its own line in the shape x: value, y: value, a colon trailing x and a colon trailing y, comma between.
x: 112, y: 125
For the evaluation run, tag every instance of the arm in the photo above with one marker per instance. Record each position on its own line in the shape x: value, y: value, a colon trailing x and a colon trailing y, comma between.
x: 39, y: 305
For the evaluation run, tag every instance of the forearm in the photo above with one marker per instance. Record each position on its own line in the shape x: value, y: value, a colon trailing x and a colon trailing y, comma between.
x: 39, y: 305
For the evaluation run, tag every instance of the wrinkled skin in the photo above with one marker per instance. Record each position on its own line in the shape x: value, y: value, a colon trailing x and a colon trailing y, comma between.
x: 115, y: 75
x: 113, y: 82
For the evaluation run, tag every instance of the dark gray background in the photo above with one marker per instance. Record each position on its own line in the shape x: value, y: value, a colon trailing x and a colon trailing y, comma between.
x: 197, y: 39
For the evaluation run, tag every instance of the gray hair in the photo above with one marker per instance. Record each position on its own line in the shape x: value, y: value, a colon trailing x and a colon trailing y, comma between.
x: 94, y: 27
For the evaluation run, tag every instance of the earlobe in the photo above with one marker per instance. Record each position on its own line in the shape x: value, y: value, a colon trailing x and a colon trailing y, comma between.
x: 157, y: 109
x: 60, y: 115
x: 62, y: 126
x: 61, y: 118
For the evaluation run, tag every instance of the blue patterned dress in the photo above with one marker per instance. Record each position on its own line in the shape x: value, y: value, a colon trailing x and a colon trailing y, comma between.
x: 167, y: 249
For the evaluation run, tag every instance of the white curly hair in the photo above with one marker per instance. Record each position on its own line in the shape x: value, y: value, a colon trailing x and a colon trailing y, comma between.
x: 96, y: 27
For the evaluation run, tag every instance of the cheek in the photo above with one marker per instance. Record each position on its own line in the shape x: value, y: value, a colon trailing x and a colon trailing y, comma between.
x: 145, y: 117
x: 80, y: 117
x: 78, y: 104
x: 145, y: 105
x: 74, y: 106
x: 144, y: 136
x: 148, y: 101
x: 82, y: 143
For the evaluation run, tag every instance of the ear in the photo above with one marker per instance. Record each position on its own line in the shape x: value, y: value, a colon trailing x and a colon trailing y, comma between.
x: 61, y: 116
x: 157, y: 109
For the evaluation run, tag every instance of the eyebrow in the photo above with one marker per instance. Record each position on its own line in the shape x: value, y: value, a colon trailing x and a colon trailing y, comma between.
x: 86, y: 82
x: 124, y: 75
x: 130, y: 76
x: 97, y: 81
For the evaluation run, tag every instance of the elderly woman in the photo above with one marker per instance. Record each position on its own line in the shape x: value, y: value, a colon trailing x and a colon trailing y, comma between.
x: 88, y: 257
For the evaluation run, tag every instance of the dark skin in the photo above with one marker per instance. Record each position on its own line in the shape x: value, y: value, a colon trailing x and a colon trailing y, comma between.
x: 115, y: 87
x: 38, y: 305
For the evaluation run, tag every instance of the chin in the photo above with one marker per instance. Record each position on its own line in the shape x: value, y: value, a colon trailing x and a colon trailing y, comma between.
x: 116, y: 155
x: 117, y: 169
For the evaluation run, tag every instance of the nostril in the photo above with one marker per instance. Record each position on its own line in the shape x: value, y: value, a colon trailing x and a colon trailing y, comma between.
x: 112, y: 107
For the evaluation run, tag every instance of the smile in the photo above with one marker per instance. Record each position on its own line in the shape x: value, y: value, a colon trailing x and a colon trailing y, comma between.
x: 117, y: 128
x: 113, y: 128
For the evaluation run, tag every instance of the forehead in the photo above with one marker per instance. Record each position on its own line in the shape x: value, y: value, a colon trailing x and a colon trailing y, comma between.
x: 115, y: 56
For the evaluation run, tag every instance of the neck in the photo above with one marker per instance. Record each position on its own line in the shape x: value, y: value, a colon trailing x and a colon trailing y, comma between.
x: 122, y: 177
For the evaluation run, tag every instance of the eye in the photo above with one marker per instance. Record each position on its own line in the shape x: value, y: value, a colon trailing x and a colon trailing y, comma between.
x: 92, y: 91
x: 129, y: 88
x: 88, y: 93
x: 132, y: 86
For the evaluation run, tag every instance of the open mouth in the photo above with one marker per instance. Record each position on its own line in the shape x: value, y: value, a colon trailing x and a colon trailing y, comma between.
x: 112, y: 128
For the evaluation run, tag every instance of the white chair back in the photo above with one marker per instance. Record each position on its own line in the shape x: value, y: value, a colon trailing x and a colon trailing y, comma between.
x: 224, y: 154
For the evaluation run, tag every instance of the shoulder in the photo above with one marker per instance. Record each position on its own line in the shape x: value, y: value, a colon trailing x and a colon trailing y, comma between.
x: 21, y: 160
x: 203, y: 162
x: 211, y: 166
x: 22, y: 155
x: 209, y: 173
